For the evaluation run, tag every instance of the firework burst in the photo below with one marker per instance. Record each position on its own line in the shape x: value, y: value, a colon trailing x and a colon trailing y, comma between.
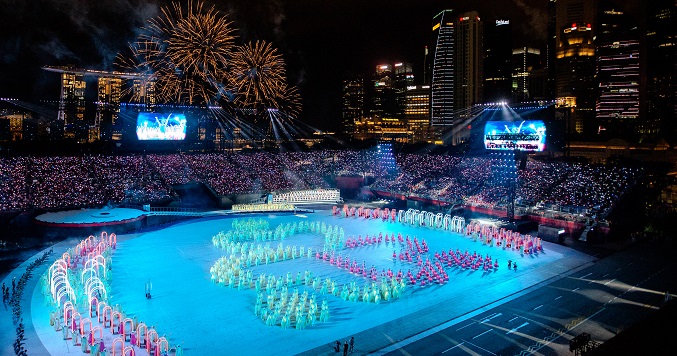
x: 201, y: 43
x: 188, y: 56
x: 289, y: 101
x: 184, y: 53
x: 258, y: 74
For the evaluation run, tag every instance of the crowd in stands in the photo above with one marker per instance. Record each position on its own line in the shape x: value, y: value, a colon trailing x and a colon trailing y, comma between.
x: 13, y: 184
x: 173, y: 168
x: 74, y: 182
x: 131, y: 179
x: 65, y: 182
x: 55, y: 182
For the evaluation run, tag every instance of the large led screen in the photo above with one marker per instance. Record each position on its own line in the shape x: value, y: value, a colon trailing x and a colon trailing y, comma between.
x: 160, y: 126
x: 527, y: 135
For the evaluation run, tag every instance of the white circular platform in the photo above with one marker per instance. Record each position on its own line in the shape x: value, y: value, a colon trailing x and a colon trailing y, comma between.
x: 90, y: 216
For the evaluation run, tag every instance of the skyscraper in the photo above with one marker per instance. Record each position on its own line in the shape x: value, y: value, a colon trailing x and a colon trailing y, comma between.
x: 469, y: 60
x: 404, y: 78
x: 143, y: 92
x: 71, y: 101
x: 71, y: 121
x: 551, y: 51
x: 442, y: 83
x: 384, y: 101
x: 498, y: 61
x: 618, y: 75
x: 353, y: 102
x: 404, y: 75
x: 525, y: 60
x: 417, y: 113
x: 107, y: 105
x: 661, y: 65
x: 575, y: 63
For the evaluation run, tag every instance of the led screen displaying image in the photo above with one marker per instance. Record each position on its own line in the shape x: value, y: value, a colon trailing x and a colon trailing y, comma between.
x: 160, y: 126
x: 527, y: 135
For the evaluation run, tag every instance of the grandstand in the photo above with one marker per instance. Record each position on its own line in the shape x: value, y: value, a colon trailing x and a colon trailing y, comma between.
x: 567, y: 191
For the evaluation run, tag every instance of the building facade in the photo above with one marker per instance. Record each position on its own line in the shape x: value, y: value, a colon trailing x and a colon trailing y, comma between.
x: 417, y: 114
x: 443, y: 72
x: 107, y: 107
x: 469, y: 60
x: 618, y: 74
x: 661, y: 66
x: 551, y: 51
x: 73, y: 123
x: 575, y: 63
x: 384, y: 99
x: 353, y: 102
x: 404, y: 78
x: 498, y: 61
x: 525, y: 62
x: 71, y: 102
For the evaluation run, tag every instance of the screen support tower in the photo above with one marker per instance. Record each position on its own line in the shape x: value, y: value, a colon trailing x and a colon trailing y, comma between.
x: 507, y: 177
x: 511, y: 199
x: 517, y: 163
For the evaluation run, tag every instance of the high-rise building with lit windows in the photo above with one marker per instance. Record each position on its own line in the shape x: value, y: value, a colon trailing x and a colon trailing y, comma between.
x: 384, y: 100
x: 417, y: 102
x: 107, y: 106
x: 551, y: 50
x: 404, y: 78
x: 498, y: 61
x: 575, y: 62
x: 525, y: 61
x: 661, y: 65
x: 404, y: 75
x: 469, y: 60
x: 442, y: 58
x: 618, y: 73
x: 71, y: 101
x: 353, y: 102
x: 417, y: 113
x: 72, y: 123
x: 143, y: 92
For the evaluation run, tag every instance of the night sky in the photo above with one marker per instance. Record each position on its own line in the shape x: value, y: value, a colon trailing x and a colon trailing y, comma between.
x: 321, y: 40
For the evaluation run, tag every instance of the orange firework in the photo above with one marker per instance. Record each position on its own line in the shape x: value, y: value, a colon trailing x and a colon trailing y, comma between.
x: 184, y: 53
x: 188, y: 56
x: 258, y: 74
x: 289, y: 101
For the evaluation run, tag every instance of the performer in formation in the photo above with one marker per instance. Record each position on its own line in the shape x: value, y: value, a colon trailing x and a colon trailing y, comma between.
x: 84, y: 273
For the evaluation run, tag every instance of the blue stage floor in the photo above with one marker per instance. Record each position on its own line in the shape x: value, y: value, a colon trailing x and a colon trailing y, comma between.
x: 205, y: 318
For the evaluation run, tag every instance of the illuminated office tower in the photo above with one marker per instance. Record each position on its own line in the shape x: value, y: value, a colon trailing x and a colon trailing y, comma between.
x: 71, y: 102
x: 551, y: 51
x: 384, y: 100
x: 143, y: 92
x: 525, y: 61
x: 107, y: 106
x: 661, y: 65
x: 417, y: 113
x: 417, y: 103
x: 469, y: 60
x: 498, y: 61
x: 353, y: 102
x: 575, y: 62
x: 618, y: 60
x: 404, y: 78
x: 442, y: 83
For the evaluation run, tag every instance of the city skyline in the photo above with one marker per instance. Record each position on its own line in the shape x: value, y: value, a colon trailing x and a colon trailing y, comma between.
x: 65, y: 34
